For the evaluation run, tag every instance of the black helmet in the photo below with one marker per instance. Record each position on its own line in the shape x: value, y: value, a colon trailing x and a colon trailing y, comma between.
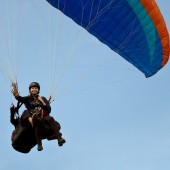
x: 34, y: 84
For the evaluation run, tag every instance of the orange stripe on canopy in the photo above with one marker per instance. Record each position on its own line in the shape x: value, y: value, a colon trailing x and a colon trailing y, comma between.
x: 157, y: 18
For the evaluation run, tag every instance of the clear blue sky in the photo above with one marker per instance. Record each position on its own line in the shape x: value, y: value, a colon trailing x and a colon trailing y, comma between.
x: 112, y: 117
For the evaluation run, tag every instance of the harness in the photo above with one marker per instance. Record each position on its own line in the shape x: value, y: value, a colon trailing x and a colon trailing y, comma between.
x: 40, y: 112
x: 19, y: 104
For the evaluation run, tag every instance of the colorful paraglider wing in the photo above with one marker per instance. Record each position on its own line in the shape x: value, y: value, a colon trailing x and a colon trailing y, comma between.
x: 135, y: 29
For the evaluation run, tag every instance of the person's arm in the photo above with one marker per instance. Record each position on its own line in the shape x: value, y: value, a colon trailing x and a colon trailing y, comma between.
x: 22, y: 99
x: 46, y: 106
x: 18, y: 97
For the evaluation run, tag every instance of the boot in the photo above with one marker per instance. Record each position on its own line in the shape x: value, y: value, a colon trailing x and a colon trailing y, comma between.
x: 61, y: 141
x: 39, y: 147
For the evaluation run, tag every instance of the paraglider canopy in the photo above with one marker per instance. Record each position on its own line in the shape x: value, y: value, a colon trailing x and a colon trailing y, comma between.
x: 134, y: 29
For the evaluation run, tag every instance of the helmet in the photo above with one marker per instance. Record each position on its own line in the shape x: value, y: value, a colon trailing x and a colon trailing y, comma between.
x: 34, y: 84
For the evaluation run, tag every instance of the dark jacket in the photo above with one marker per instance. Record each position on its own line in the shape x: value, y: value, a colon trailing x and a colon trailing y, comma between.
x: 31, y: 104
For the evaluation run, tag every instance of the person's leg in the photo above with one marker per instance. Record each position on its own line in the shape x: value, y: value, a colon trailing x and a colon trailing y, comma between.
x: 37, y: 124
x: 55, y: 127
x: 30, y: 120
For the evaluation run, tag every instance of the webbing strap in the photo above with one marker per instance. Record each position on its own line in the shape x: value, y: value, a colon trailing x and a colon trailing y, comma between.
x: 19, y: 104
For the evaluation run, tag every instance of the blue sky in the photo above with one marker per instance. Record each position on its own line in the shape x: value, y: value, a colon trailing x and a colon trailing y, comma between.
x: 112, y: 117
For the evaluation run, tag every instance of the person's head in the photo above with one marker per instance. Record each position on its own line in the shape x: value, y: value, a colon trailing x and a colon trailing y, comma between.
x: 34, y: 88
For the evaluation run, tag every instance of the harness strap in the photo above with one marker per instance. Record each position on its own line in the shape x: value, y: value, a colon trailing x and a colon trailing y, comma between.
x: 42, y: 114
x: 19, y: 104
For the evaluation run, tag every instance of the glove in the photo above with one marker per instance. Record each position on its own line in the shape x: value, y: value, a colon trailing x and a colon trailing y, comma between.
x: 15, y: 92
